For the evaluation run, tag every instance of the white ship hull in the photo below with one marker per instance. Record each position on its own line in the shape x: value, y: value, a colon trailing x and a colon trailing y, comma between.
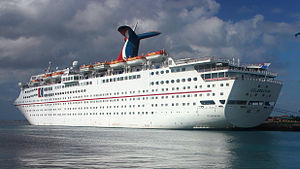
x: 147, y: 101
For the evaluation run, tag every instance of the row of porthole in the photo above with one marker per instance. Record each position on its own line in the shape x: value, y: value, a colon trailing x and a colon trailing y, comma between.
x: 101, y: 113
x: 161, y: 72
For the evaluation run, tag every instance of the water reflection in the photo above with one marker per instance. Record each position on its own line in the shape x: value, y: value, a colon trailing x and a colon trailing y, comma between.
x: 90, y: 147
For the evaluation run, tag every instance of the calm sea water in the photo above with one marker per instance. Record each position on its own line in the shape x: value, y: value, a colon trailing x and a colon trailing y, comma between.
x: 26, y: 146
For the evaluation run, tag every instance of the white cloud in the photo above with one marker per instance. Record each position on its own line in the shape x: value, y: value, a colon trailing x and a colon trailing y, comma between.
x: 87, y: 29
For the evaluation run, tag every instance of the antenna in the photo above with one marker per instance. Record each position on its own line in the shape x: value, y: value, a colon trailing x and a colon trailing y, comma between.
x: 135, y: 26
x: 49, y: 67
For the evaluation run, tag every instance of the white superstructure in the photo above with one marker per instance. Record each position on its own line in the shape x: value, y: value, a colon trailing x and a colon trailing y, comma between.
x: 205, y: 92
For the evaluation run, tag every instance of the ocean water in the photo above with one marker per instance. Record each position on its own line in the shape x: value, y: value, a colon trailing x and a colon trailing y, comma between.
x: 26, y: 146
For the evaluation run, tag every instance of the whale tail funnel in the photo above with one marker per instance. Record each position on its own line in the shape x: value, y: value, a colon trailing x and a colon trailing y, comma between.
x: 132, y: 41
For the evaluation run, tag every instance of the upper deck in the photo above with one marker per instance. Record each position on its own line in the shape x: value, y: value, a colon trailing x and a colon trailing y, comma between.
x: 209, y: 65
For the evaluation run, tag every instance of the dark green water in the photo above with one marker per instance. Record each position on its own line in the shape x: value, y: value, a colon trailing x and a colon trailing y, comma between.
x: 26, y: 146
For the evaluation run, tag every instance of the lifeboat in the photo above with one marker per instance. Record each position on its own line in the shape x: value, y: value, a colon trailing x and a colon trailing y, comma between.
x: 101, y: 66
x: 158, y: 56
x: 35, y: 82
x: 86, y: 68
x: 47, y: 76
x: 136, y: 61
x: 117, y: 64
x: 57, y: 74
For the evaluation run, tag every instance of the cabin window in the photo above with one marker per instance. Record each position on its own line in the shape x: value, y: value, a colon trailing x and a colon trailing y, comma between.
x: 243, y: 102
x: 214, y: 75
x: 207, y: 102
x: 256, y: 103
x: 222, y: 101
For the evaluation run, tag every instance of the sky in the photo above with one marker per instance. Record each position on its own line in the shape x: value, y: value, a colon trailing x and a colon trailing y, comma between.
x: 34, y: 32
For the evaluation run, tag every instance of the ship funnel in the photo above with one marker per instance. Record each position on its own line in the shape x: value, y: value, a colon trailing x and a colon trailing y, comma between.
x: 132, y: 41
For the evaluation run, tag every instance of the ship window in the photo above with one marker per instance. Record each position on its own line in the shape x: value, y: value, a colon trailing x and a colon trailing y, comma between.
x: 167, y: 71
x: 172, y: 81
x: 189, y: 79
x: 183, y: 69
x: 161, y: 82
x: 130, y: 77
x: 126, y: 77
x: 207, y: 102
x: 177, y: 70
x: 152, y: 73
x: 227, y: 84
x: 256, y: 103
x: 207, y: 76
x: 157, y: 72
x: 237, y: 102
x: 182, y: 80
x: 152, y: 83
x: 221, y: 74
x: 138, y: 76
x: 177, y: 80
x: 167, y: 81
x: 157, y: 83
x: 270, y: 103
x: 162, y: 72
x: 222, y: 101
x: 195, y: 79
x: 134, y: 77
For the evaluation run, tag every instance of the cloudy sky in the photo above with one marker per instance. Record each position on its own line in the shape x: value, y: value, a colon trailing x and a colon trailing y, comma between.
x: 34, y: 32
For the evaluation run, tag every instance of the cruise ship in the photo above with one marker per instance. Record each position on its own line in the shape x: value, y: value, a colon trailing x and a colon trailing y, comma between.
x: 151, y: 91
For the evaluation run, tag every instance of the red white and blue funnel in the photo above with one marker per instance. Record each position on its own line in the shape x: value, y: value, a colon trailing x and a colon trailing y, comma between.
x: 132, y: 42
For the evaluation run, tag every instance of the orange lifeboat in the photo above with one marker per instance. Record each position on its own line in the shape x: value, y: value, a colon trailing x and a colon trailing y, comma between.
x: 86, y: 68
x: 101, y: 66
x: 158, y: 56
x: 136, y: 61
x: 47, y: 76
x: 57, y: 74
x: 36, y: 81
x: 117, y: 64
